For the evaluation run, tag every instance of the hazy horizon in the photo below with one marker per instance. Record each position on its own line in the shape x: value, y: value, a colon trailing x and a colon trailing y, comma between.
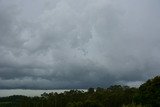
x: 31, y: 92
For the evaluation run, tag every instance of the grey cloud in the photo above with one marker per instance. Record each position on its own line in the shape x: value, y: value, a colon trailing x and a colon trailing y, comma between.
x: 78, y: 43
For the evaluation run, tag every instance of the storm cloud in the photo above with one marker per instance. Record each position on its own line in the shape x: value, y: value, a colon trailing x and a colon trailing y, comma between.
x: 78, y: 43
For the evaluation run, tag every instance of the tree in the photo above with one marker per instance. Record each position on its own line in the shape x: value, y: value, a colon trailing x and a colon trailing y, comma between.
x: 89, y: 103
x: 91, y: 90
x: 149, y: 92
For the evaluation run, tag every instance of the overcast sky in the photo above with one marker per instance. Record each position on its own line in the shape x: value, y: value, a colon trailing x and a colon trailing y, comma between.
x: 46, y: 44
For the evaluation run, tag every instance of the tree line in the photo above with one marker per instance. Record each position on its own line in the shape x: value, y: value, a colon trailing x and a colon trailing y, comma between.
x: 147, y: 95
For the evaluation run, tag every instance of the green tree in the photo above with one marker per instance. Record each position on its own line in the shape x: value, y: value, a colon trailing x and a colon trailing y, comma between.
x: 90, y: 103
x: 91, y: 90
x: 149, y: 92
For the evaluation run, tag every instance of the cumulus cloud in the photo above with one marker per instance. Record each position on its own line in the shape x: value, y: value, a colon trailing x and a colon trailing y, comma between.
x: 78, y: 43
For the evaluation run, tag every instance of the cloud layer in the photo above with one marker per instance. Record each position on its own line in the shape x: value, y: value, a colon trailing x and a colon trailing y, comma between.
x: 78, y: 43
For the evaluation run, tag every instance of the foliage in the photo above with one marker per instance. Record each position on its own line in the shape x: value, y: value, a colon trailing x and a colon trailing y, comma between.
x: 148, y: 95
x: 133, y: 105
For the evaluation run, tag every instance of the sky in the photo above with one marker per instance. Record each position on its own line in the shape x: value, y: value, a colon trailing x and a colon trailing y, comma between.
x: 64, y: 44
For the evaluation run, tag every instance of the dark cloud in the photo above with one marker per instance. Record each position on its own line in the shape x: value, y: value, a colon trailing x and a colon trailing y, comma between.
x: 78, y: 43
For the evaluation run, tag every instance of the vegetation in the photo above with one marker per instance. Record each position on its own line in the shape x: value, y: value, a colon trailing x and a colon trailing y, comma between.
x: 133, y: 105
x: 147, y: 95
